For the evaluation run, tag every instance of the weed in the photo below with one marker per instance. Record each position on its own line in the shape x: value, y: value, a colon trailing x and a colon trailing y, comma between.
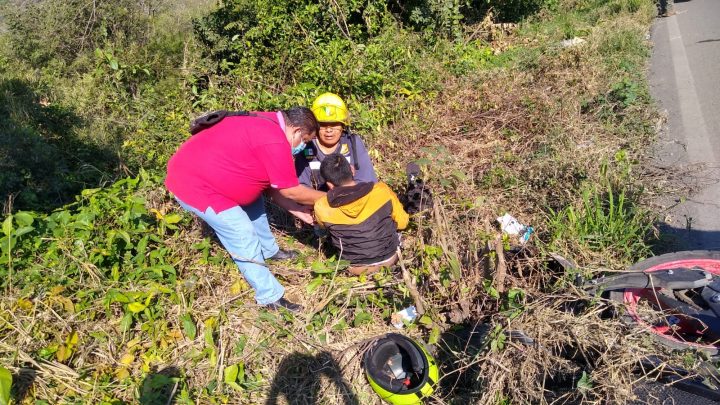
x: 607, y: 221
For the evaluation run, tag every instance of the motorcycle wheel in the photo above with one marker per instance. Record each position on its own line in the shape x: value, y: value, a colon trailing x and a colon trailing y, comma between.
x: 675, y: 331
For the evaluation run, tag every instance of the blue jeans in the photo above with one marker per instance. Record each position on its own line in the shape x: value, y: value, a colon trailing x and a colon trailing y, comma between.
x: 245, y: 234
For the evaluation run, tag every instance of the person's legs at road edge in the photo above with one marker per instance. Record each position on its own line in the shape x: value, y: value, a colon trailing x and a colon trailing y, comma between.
x: 256, y: 213
x: 237, y: 234
x: 666, y: 8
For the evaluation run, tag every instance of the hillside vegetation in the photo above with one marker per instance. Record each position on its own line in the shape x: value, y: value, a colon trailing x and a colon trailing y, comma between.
x: 112, y: 294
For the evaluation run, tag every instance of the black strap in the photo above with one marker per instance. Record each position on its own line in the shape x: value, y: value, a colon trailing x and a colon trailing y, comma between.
x: 316, y: 179
x: 208, y: 120
x: 354, y: 150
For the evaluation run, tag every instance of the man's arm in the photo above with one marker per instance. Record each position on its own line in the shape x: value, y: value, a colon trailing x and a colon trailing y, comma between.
x: 298, y: 194
x: 302, y: 212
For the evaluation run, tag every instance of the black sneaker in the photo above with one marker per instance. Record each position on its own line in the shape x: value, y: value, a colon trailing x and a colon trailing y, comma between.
x: 283, y: 255
x: 283, y: 303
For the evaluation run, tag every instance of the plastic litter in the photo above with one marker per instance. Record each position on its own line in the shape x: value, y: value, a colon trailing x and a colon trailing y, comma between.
x: 399, y: 318
x: 567, y: 43
x: 511, y: 226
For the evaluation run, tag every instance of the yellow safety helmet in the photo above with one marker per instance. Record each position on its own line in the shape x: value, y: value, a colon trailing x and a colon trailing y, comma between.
x: 400, y: 370
x: 329, y: 107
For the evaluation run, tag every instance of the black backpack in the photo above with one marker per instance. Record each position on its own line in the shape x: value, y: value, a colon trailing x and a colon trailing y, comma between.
x: 417, y: 196
x: 213, y: 117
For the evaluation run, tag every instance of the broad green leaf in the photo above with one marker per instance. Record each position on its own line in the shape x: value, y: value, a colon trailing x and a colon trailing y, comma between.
x: 114, y: 64
x: 241, y: 372
x: 188, y: 326
x: 5, y: 384
x: 7, y: 226
x: 23, y: 218
x: 126, y: 322
x: 23, y: 230
x: 136, y: 307
x: 124, y: 236
x: 361, y: 318
x: 319, y: 267
x: 487, y: 285
x: 72, y: 339
x: 89, y: 191
x: 459, y: 175
x: 425, y: 320
x: 63, y: 353
x: 172, y: 218
x: 235, y: 386
x: 434, y: 336
x: 313, y: 285
x: 230, y: 373
x: 208, y: 332
x: 454, y: 266
x: 115, y: 296
x: 240, y: 345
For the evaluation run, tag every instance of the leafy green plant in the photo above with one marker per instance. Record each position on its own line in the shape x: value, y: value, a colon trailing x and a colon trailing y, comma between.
x: 325, y: 269
x: 585, y: 383
x: 5, y: 385
x: 606, y: 221
x: 624, y: 92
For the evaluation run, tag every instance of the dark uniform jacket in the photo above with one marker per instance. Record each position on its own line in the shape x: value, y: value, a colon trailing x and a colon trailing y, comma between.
x: 307, y: 166
x: 363, y: 221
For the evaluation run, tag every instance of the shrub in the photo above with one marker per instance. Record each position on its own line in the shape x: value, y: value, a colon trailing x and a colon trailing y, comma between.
x: 59, y: 31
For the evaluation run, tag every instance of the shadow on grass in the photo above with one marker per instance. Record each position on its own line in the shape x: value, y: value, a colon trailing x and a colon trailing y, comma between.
x: 461, y: 381
x: 22, y: 382
x: 159, y: 388
x: 456, y: 350
x: 299, y: 380
x: 43, y: 162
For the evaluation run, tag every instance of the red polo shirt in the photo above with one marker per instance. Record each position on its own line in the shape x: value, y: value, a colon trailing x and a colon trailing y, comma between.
x: 232, y: 163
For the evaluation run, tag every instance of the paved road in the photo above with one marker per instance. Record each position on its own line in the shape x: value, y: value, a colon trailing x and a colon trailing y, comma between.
x: 685, y: 80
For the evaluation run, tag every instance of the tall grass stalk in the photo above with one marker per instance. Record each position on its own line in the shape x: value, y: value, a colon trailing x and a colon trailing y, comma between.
x: 606, y: 221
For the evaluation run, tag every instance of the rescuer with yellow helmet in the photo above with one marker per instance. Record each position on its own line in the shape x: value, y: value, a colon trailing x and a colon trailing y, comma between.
x: 333, y: 116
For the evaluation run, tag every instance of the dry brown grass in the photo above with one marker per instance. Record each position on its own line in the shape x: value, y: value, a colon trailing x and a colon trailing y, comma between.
x: 515, y: 139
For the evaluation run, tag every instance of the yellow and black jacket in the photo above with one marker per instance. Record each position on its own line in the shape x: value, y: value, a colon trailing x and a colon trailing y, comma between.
x: 362, y: 221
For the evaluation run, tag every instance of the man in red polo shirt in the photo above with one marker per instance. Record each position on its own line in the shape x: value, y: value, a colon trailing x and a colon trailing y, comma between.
x: 221, y: 173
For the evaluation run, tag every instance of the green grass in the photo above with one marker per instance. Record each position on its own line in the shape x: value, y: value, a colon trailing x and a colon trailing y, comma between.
x: 607, y: 221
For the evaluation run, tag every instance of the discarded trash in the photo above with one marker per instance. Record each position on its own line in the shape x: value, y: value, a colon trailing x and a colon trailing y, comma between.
x: 511, y: 226
x: 408, y: 314
x: 526, y: 235
x: 567, y: 43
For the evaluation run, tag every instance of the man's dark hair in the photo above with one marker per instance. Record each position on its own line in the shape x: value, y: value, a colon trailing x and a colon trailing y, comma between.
x: 303, y: 118
x: 335, y: 169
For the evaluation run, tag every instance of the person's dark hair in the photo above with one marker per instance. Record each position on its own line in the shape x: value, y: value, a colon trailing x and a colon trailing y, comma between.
x: 303, y: 118
x: 335, y: 169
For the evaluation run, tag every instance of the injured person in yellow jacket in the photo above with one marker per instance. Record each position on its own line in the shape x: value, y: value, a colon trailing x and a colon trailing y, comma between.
x: 361, y: 218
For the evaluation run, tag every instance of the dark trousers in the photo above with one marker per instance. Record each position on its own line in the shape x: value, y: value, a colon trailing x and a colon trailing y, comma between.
x: 665, y: 6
